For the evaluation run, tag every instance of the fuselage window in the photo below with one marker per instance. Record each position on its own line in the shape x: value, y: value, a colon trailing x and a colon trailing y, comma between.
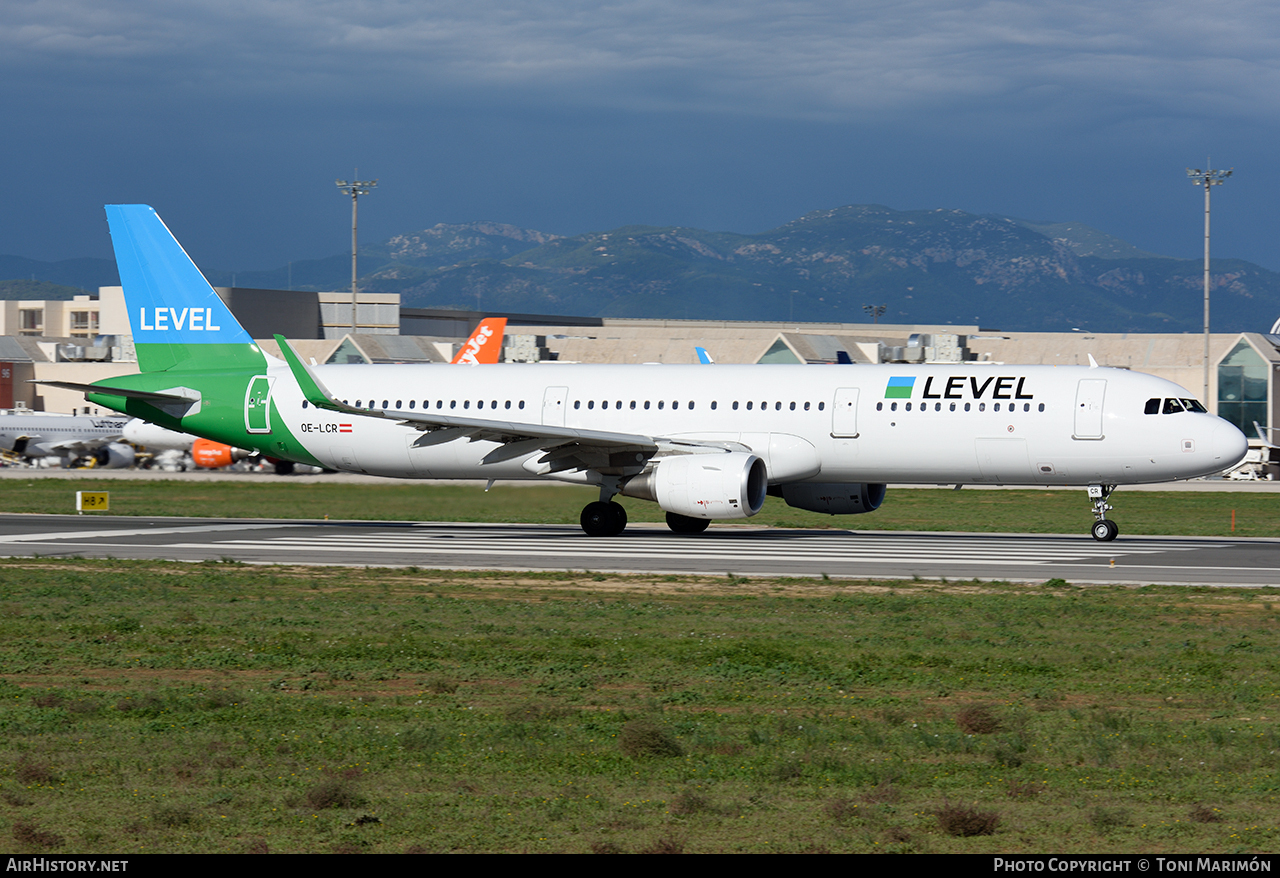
x: 879, y: 406
x: 660, y: 404
x: 466, y: 403
x: 494, y: 404
x: 675, y: 404
x: 591, y: 403
x: 411, y: 403
x: 398, y: 405
x: 953, y: 406
x: 821, y: 406
x: 577, y: 403
x: 937, y: 406
x: 793, y: 406
x: 806, y: 406
x: 982, y: 406
x: 749, y: 404
x: 618, y: 405
x: 735, y: 405
x: 633, y: 405
x: 358, y: 404
x: 713, y: 405
x: 453, y: 403
x: 777, y: 406
x: 384, y: 404
x: 1026, y: 406
x: 1041, y: 406
x: 522, y: 403
x: 690, y: 405
x: 304, y: 403
x: 646, y: 405
x: 907, y: 406
x: 997, y: 407
x: 893, y: 406
x: 966, y: 406
x: 508, y: 405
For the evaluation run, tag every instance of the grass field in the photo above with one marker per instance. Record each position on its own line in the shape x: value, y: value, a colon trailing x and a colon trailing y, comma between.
x: 223, y: 708
x: 1138, y: 512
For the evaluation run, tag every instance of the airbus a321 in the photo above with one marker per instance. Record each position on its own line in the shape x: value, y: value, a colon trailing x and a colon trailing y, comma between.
x: 704, y: 444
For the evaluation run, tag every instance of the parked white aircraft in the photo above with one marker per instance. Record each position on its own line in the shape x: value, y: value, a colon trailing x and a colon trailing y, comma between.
x: 40, y: 436
x: 704, y: 444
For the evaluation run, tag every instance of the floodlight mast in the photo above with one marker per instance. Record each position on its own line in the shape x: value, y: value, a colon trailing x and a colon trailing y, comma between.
x: 355, y: 188
x: 1208, y: 179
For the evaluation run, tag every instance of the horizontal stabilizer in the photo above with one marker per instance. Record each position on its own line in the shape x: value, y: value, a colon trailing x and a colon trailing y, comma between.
x: 146, y: 395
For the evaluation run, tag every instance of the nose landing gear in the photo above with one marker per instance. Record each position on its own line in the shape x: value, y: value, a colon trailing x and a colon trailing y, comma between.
x: 1104, y: 529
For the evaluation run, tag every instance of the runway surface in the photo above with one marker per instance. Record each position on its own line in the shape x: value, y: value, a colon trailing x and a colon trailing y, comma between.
x: 652, y: 549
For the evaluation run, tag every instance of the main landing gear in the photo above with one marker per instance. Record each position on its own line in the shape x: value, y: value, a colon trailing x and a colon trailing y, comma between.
x: 1104, y: 529
x: 603, y: 519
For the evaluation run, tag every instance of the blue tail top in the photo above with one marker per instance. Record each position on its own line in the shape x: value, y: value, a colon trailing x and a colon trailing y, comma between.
x: 173, y: 311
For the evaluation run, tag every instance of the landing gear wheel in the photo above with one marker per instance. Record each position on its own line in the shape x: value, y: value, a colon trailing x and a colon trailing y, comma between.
x: 684, y: 524
x: 1105, y: 530
x: 602, y: 519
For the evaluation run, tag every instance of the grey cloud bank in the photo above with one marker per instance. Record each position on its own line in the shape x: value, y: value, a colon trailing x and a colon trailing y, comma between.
x: 234, y: 118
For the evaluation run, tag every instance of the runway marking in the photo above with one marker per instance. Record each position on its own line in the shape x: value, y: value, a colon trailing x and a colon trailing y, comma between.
x: 798, y: 548
x: 138, y: 532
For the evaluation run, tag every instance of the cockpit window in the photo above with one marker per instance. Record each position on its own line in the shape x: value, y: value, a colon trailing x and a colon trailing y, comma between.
x: 1153, y: 406
x: 1193, y: 405
x: 1172, y: 406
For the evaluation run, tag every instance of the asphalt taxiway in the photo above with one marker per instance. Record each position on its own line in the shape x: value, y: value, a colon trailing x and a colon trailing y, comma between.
x: 740, y: 550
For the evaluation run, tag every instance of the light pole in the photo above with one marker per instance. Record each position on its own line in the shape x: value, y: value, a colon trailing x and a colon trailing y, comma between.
x: 875, y: 311
x: 1208, y: 179
x: 355, y: 188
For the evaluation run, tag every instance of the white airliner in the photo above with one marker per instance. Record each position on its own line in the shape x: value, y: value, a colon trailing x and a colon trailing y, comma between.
x: 704, y: 444
x: 66, y: 438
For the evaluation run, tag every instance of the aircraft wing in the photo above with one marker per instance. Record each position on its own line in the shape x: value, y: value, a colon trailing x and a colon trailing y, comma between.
x: 566, y: 447
x: 69, y: 447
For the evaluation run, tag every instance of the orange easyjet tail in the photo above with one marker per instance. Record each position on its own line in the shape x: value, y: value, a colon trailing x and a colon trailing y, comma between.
x: 485, y: 344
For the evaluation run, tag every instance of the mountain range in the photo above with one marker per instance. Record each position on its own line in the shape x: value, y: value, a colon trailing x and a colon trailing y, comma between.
x: 925, y: 266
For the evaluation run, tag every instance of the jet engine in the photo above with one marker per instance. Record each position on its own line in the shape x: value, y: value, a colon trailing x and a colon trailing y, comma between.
x: 832, y: 498
x: 208, y: 454
x: 710, y: 486
x: 117, y: 455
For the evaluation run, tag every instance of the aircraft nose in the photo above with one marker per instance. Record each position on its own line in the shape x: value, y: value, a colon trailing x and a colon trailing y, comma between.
x: 1229, y: 444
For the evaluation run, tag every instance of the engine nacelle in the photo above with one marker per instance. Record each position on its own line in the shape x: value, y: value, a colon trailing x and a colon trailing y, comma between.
x: 208, y: 454
x: 714, y: 486
x: 832, y: 498
x: 117, y: 455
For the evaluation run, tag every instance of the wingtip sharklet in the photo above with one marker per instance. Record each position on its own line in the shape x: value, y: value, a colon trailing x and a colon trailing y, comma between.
x: 312, y: 387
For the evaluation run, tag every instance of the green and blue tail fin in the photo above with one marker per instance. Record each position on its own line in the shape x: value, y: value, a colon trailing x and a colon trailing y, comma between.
x: 178, y: 321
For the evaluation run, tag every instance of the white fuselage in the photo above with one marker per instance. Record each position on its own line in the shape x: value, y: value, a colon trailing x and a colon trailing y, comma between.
x: 974, y: 423
x: 57, y: 435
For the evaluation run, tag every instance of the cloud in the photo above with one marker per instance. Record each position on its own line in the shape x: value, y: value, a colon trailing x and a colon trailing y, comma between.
x: 758, y: 57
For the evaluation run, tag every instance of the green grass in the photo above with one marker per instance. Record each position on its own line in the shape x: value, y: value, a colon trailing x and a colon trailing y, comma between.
x: 1138, y: 512
x: 225, y: 708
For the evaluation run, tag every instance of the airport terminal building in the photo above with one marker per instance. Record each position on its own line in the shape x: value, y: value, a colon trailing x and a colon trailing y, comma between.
x: 88, y: 338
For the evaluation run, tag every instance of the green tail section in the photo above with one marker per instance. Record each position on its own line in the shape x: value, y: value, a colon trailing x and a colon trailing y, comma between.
x: 201, y: 373
x: 178, y: 321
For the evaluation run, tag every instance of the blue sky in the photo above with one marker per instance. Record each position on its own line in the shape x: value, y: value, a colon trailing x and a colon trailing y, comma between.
x: 234, y: 118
